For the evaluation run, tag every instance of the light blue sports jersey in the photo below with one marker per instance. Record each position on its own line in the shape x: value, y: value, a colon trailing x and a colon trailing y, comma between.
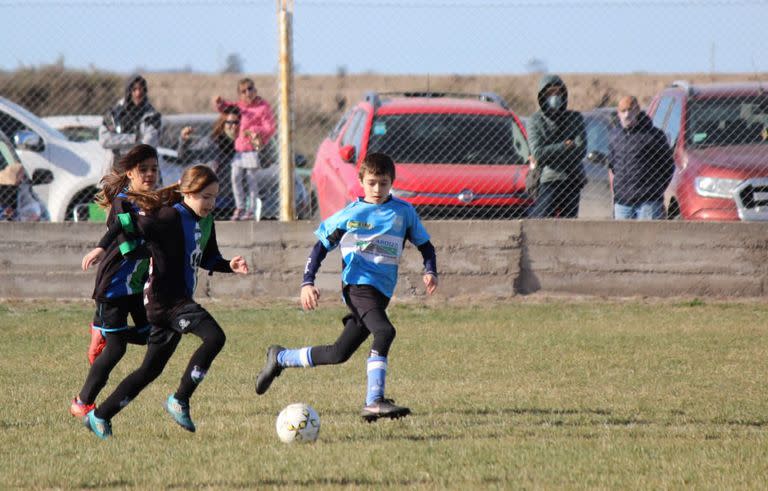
x: 371, y: 238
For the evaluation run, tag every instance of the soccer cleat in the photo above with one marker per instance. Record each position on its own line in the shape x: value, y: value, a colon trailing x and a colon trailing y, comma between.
x: 97, y: 344
x: 180, y: 412
x: 79, y: 409
x: 383, y: 408
x: 102, y: 428
x: 271, y: 370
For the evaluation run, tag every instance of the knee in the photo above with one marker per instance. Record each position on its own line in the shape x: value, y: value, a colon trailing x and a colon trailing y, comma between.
x: 217, y: 340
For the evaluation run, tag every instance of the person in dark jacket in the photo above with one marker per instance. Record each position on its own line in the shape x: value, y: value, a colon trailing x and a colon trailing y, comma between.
x: 131, y: 121
x: 642, y: 164
x: 217, y: 151
x: 558, y: 142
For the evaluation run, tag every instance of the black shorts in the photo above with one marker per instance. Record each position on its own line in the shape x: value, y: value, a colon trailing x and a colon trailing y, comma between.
x: 182, y: 320
x: 361, y: 299
x: 112, y: 316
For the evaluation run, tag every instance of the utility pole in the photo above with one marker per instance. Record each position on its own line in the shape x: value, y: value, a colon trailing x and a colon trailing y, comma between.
x: 285, y: 79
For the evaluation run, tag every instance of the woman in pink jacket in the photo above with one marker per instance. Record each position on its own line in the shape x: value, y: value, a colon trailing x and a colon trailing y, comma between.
x: 257, y: 125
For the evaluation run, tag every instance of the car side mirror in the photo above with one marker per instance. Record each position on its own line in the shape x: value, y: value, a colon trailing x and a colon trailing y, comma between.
x: 597, y: 157
x: 347, y: 153
x: 42, y: 176
x: 28, y: 140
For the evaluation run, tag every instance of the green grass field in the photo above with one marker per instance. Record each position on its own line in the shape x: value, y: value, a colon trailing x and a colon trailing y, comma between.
x: 546, y: 394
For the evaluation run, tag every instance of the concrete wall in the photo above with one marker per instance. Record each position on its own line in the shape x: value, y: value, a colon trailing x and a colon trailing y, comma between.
x: 492, y: 258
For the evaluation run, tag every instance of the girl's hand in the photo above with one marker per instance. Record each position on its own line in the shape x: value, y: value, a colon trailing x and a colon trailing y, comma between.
x: 239, y: 265
x: 309, y: 297
x: 93, y: 257
x: 430, y: 283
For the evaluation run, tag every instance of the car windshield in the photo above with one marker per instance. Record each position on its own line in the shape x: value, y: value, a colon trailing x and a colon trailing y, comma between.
x: 727, y: 121
x: 449, y: 139
x: 598, y: 132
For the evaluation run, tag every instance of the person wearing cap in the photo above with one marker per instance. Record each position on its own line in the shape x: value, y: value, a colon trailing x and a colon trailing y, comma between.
x: 558, y: 141
x: 642, y: 164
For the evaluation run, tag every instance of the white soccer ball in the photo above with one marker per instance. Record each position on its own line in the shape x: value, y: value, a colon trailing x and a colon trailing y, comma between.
x: 298, y: 422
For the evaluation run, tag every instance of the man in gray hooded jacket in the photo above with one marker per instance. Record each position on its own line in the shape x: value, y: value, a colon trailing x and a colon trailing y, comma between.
x: 558, y: 142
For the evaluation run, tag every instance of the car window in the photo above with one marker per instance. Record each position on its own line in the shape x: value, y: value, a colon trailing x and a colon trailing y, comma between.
x: 10, y: 125
x: 674, y: 121
x: 598, y: 132
x: 449, y: 139
x: 7, y: 156
x: 337, y: 129
x: 727, y: 121
x: 80, y: 133
x: 169, y: 132
x: 660, y: 116
x: 349, y: 134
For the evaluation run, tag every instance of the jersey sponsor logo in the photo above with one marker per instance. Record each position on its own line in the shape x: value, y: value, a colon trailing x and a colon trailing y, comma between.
x: 355, y: 224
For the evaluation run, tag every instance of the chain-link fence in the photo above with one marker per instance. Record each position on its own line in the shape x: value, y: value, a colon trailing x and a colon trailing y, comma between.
x: 477, y: 125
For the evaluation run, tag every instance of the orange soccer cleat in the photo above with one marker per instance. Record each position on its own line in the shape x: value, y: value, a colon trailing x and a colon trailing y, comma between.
x: 79, y: 409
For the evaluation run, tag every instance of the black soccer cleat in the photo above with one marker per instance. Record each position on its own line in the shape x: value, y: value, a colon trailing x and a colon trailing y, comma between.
x: 271, y: 370
x: 383, y: 408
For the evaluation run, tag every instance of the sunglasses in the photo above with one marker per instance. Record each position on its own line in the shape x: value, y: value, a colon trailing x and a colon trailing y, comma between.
x: 232, y: 123
x: 248, y: 89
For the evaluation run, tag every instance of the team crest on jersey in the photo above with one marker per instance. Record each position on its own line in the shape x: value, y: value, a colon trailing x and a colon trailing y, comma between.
x: 355, y: 224
x: 183, y: 323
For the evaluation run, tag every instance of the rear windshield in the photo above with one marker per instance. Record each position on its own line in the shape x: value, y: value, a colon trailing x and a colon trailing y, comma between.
x: 727, y: 121
x: 449, y: 139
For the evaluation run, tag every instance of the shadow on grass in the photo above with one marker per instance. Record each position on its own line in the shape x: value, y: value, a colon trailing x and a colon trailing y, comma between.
x: 313, y: 482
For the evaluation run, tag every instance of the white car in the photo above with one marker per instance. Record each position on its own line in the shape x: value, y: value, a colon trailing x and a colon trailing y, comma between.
x: 77, y: 167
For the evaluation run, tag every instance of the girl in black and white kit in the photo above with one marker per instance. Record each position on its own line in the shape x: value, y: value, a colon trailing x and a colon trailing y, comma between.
x: 179, y: 235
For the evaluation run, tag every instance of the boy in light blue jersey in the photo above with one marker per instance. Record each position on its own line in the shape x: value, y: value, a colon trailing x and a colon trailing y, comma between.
x: 370, y: 233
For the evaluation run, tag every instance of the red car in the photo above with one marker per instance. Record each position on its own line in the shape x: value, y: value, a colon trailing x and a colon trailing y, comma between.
x: 457, y: 155
x: 718, y: 133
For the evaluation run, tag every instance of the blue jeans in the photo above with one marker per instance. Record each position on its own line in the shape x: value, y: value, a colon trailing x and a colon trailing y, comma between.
x: 648, y: 210
x: 556, y: 199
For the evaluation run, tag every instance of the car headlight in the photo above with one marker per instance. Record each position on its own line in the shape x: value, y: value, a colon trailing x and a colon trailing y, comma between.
x: 402, y: 193
x: 714, y: 187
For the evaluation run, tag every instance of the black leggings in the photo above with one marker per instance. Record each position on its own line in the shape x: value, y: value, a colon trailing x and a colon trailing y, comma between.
x: 368, y: 316
x: 162, y: 344
x: 114, y: 349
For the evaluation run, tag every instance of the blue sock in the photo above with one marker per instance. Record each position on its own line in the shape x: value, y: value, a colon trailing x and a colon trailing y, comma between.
x: 377, y: 376
x: 301, y: 357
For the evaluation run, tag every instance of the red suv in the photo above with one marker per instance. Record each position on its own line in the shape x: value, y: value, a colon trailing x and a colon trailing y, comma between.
x: 718, y: 134
x: 457, y: 155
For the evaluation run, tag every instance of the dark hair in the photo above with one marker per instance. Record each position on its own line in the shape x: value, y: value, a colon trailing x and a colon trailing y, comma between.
x: 244, y: 81
x: 218, y: 126
x: 378, y: 164
x: 193, y: 180
x: 117, y: 180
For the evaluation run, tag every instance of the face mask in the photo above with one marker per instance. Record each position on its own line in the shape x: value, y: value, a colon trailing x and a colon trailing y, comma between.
x: 556, y: 102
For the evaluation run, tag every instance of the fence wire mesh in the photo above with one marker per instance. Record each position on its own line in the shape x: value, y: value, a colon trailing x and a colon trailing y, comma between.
x: 475, y: 128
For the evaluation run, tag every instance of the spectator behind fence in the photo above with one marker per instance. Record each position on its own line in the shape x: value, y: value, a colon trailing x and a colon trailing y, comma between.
x: 10, y: 179
x: 257, y: 126
x: 641, y: 162
x: 558, y: 142
x: 216, y: 151
x: 131, y: 121
x: 18, y: 201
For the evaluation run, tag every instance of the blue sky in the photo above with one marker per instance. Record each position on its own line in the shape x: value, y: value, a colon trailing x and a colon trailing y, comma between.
x: 394, y: 37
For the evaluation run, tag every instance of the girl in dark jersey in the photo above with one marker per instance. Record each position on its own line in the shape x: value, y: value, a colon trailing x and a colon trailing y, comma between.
x: 179, y: 235
x: 119, y: 280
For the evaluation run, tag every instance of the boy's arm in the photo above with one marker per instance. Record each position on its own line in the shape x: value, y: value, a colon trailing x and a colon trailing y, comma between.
x: 430, y: 258
x: 314, y: 261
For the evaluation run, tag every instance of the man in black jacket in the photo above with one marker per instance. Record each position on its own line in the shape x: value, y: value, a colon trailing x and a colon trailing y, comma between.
x: 641, y: 162
x: 558, y: 142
